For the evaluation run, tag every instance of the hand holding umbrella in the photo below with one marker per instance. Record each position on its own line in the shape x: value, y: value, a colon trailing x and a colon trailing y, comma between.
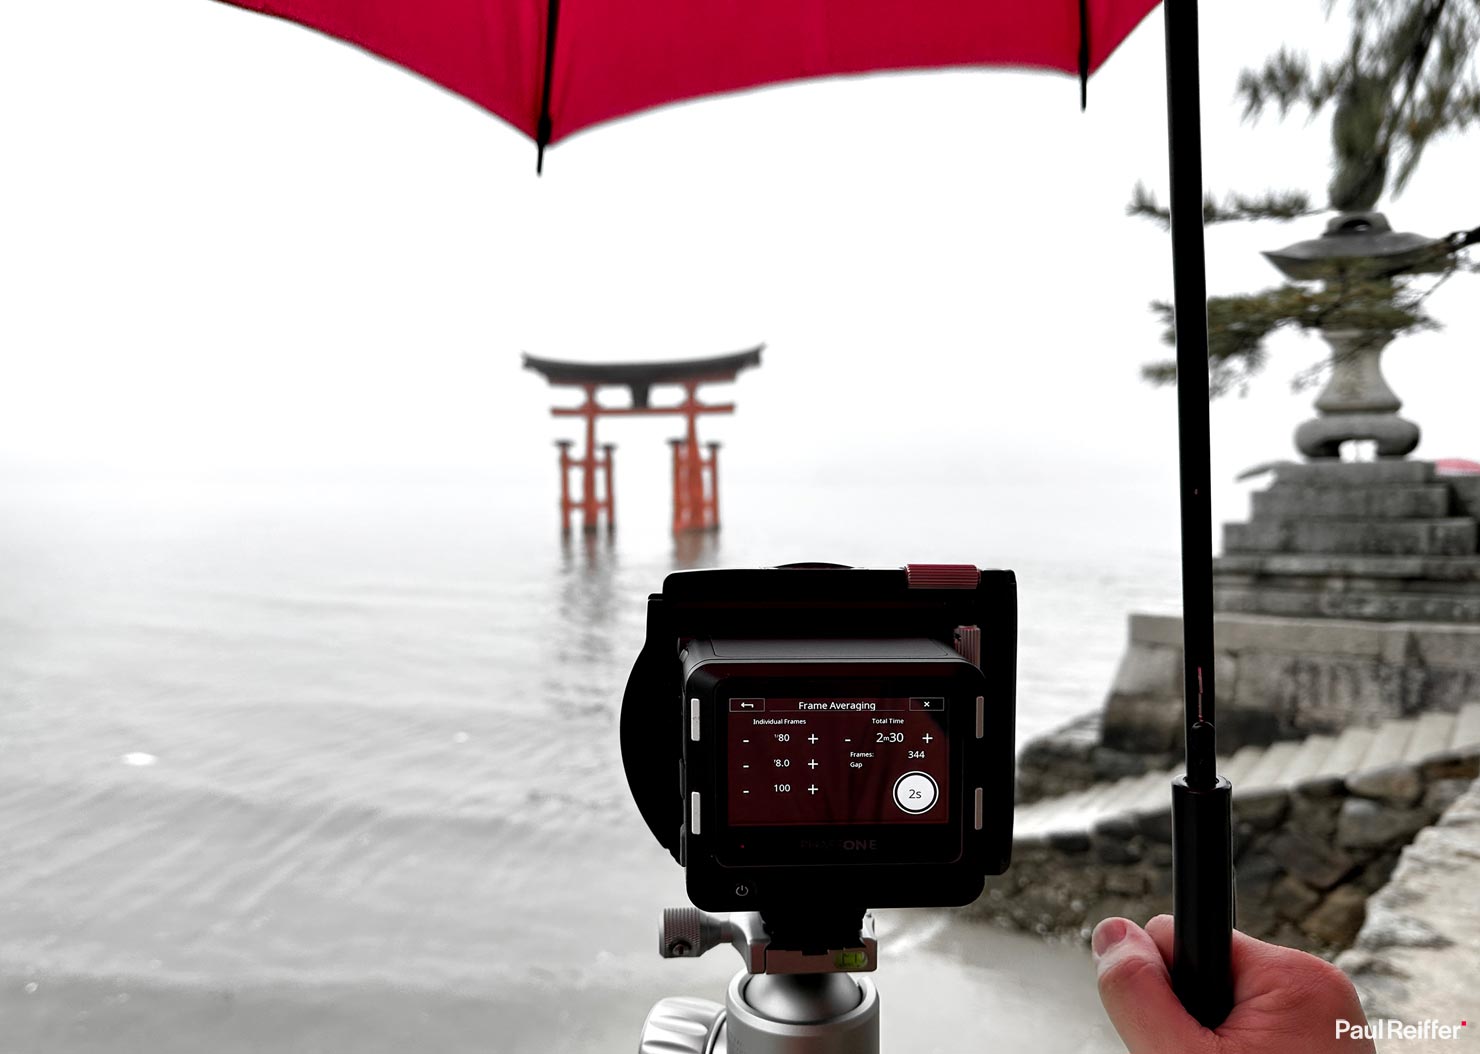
x: 1286, y: 1001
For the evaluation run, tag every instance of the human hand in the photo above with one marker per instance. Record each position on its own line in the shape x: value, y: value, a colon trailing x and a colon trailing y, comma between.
x: 1284, y: 1001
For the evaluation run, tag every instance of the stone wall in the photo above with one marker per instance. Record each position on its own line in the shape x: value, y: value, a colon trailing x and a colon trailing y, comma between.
x: 1068, y: 759
x: 1418, y: 954
x: 1306, y: 860
x: 1277, y: 678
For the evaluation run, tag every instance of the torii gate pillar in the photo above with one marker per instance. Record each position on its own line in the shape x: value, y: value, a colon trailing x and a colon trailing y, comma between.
x: 592, y: 470
x: 695, y: 486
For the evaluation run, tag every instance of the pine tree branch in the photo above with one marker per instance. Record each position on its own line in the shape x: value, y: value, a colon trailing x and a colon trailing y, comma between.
x: 1407, y: 75
x: 1271, y: 205
x: 1240, y: 325
x: 1409, y: 68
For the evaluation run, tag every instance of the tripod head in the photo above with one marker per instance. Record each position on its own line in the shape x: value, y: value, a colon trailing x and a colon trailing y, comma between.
x: 798, y: 992
x: 783, y: 947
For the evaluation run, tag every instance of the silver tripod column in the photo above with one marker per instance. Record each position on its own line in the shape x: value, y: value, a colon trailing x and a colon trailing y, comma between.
x: 833, y: 1012
x: 810, y: 1013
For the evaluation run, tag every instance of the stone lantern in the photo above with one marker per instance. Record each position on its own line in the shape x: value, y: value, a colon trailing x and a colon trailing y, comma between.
x: 1357, y: 402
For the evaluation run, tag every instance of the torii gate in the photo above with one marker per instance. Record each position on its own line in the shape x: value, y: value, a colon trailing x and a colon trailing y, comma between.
x: 695, y: 474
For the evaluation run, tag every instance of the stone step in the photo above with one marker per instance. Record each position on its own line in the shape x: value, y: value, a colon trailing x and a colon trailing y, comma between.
x: 1154, y: 790
x: 1351, y: 747
x: 1080, y: 813
x: 1356, y: 604
x: 1332, y: 759
x: 1032, y: 821
x: 1466, y: 728
x: 1355, y: 473
x: 1390, y: 770
x: 1042, y: 810
x: 1123, y: 793
x: 1466, y: 493
x: 1430, y: 736
x: 1270, y: 767
x: 1113, y: 801
x: 1382, y: 588
x: 1081, y: 810
x: 1050, y: 814
x: 1388, y: 744
x: 1390, y: 747
x: 1288, y: 502
x: 1460, y: 570
x: 1455, y: 536
x: 1308, y: 762
x: 1151, y: 791
x: 1237, y: 766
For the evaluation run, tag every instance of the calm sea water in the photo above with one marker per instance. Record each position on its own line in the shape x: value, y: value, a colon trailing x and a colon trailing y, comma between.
x: 330, y: 764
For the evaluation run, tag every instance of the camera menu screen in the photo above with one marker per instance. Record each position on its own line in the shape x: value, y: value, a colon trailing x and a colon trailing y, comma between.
x: 837, y: 761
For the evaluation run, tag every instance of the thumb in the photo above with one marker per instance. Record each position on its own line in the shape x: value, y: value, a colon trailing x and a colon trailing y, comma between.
x: 1137, y: 992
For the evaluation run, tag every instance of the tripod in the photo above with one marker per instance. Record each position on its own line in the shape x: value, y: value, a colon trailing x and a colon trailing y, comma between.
x: 801, y: 991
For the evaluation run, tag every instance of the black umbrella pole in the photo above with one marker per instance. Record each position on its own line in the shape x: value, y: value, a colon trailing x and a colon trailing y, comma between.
x: 1202, y: 830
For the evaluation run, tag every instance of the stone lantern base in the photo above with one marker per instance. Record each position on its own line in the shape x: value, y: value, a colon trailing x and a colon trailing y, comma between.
x: 1321, y: 437
x: 1384, y: 540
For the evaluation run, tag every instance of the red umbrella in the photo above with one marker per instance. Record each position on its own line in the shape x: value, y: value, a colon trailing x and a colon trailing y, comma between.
x: 1457, y: 466
x: 551, y: 70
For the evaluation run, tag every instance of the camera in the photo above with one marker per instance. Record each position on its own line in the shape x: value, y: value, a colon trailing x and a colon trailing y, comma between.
x: 811, y: 741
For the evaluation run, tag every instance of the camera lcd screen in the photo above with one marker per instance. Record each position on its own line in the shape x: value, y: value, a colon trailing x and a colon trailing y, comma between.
x: 821, y: 762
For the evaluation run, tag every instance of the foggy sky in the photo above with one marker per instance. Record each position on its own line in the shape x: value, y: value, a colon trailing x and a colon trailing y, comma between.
x: 227, y: 243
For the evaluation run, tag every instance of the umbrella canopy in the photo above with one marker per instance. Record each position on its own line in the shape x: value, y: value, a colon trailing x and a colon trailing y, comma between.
x: 551, y: 69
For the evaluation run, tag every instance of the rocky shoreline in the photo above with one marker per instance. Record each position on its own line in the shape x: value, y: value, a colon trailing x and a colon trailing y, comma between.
x: 1307, y: 856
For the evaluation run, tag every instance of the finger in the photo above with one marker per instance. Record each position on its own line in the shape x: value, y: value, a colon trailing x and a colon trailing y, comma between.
x: 1262, y: 969
x: 1250, y: 957
x: 1137, y: 992
x: 1160, y: 928
x: 1247, y: 955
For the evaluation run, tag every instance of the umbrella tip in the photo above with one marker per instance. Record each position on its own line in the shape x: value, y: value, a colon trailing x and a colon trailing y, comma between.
x: 539, y: 159
x: 1084, y: 55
